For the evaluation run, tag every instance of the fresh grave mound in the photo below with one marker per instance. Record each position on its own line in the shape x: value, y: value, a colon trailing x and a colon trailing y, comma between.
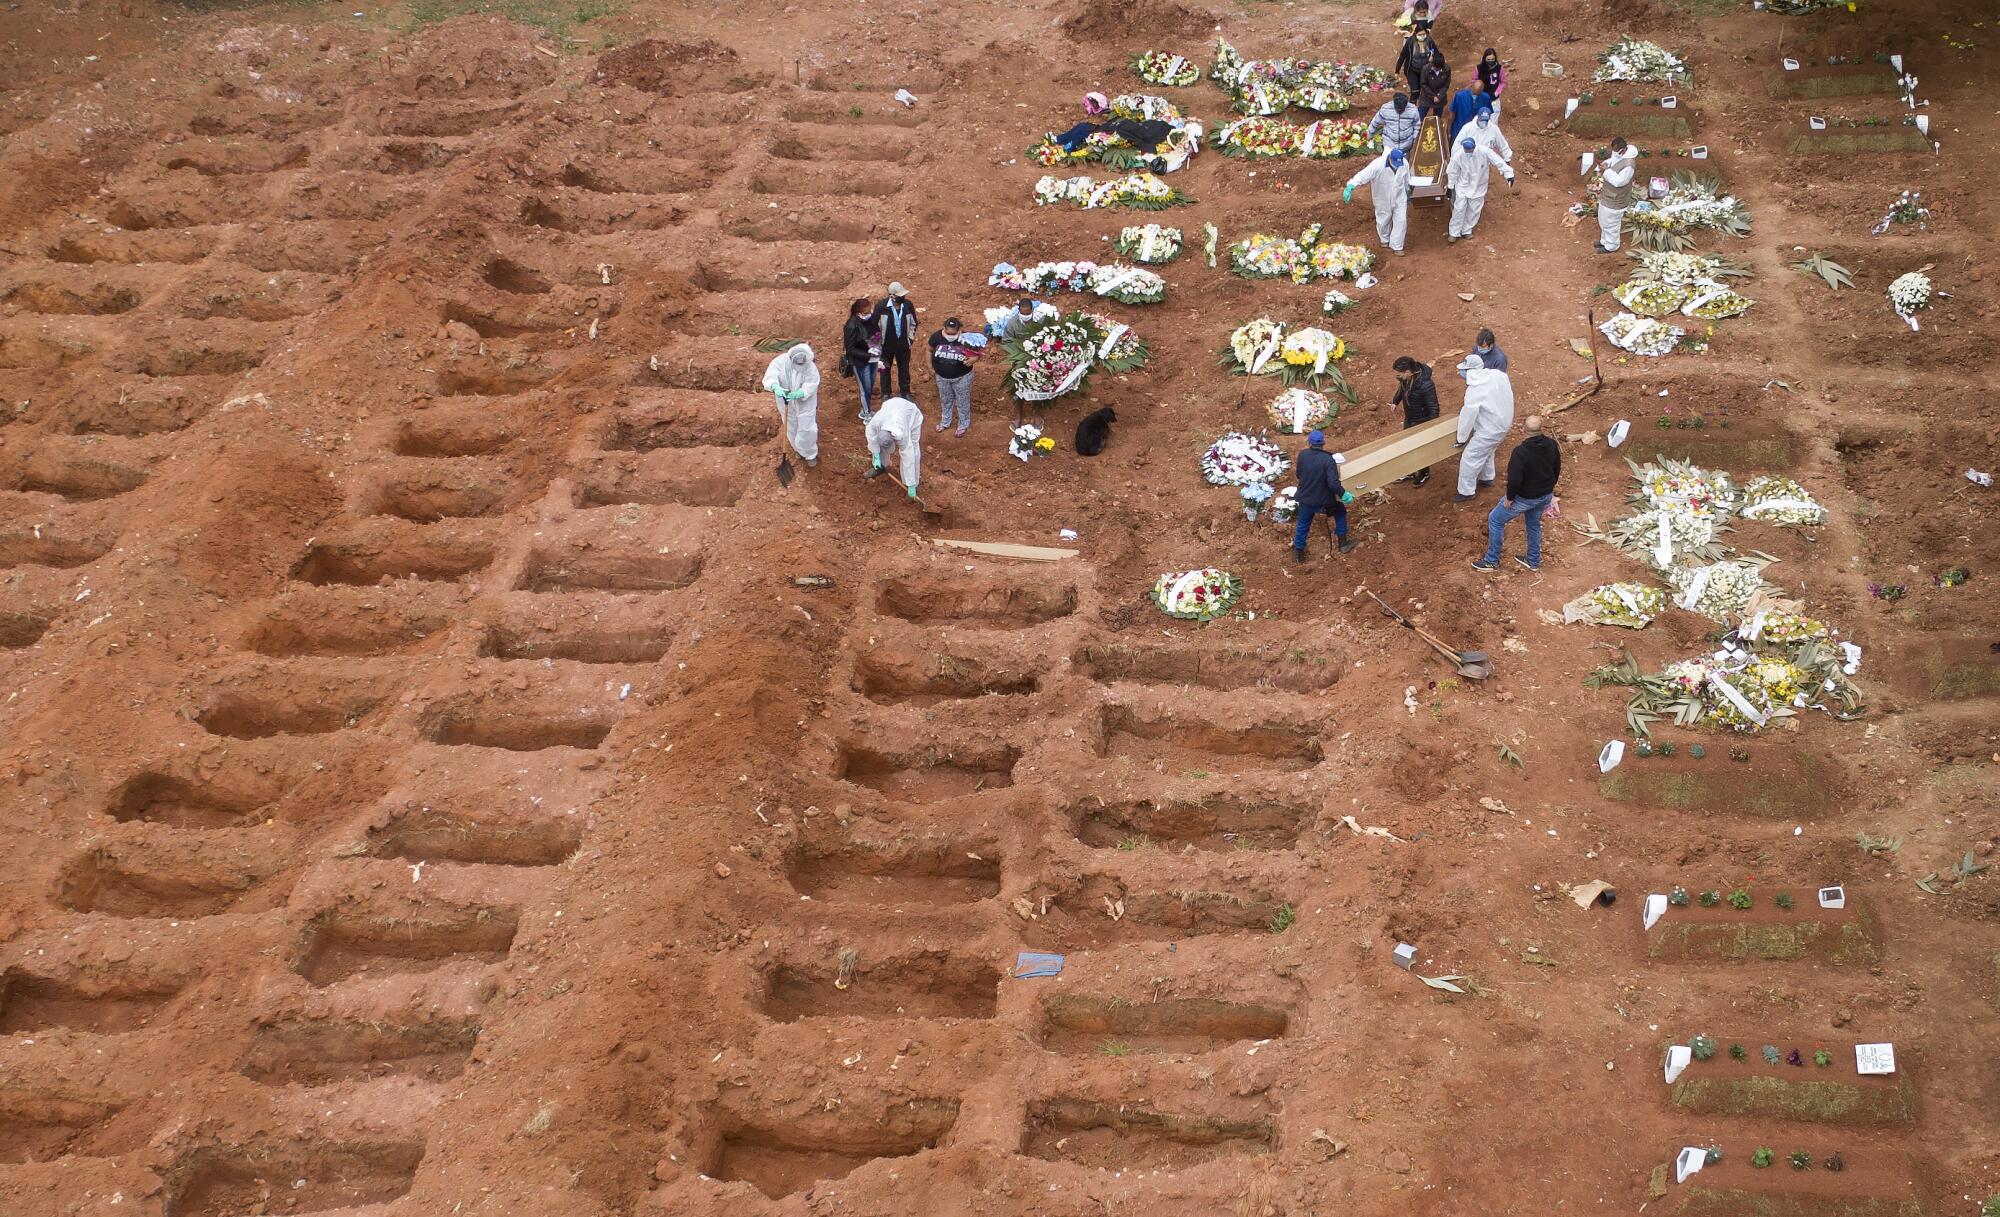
x: 1119, y: 20
x: 666, y: 68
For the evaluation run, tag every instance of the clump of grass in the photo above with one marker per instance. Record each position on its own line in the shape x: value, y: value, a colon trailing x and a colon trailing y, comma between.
x: 1117, y: 1048
x: 1282, y: 920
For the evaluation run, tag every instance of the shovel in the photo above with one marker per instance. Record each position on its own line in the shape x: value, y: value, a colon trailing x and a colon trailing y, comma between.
x: 1473, y: 665
x: 785, y: 473
x: 932, y: 513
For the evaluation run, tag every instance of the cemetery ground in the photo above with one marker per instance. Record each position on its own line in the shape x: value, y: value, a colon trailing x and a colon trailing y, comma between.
x: 427, y: 791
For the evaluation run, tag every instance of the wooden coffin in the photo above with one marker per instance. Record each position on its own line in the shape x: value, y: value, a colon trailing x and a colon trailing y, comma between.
x: 1399, y: 454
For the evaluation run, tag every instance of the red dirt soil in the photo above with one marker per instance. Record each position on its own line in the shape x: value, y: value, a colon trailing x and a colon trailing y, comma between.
x: 428, y: 794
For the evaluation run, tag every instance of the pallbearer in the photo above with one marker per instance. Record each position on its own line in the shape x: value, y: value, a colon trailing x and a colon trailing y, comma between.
x: 1465, y: 180
x: 1388, y: 180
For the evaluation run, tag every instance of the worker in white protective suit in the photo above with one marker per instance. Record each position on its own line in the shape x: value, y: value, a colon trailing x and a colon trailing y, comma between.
x: 1388, y: 180
x: 1465, y: 178
x: 897, y: 426
x: 794, y: 378
x: 1485, y: 127
x: 1485, y: 421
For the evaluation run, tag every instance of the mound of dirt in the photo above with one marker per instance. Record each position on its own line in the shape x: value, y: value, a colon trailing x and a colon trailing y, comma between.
x: 666, y: 68
x: 1123, y: 20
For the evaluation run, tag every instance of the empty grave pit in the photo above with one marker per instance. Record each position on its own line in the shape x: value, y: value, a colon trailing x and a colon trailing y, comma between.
x: 817, y: 148
x: 20, y: 629
x: 579, y: 643
x: 831, y: 112
x: 1113, y: 1136
x: 153, y: 797
x: 712, y: 487
x: 83, y: 299
x: 50, y: 545
x: 301, y: 1176
x: 934, y: 984
x: 973, y: 602
x: 512, y: 730
x: 246, y: 715
x: 454, y: 435
x: 1221, y: 823
x: 1194, y: 744
x: 493, y: 325
x: 341, y: 945
x: 1295, y: 669
x: 426, y: 500
x: 490, y: 381
x: 98, y: 882
x: 1100, y: 913
x: 321, y: 1052
x: 931, y: 775
x: 367, y: 564
x: 924, y: 873
x: 36, y: 1127
x: 507, y: 275
x: 927, y: 679
x: 644, y: 433
x: 1081, y: 1025
x: 343, y: 630
x: 825, y: 181
x: 607, y: 570
x: 781, y: 1159
x: 425, y: 835
x: 95, y: 1005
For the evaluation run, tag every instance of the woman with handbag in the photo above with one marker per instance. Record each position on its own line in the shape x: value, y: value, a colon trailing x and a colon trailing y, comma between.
x: 861, y: 351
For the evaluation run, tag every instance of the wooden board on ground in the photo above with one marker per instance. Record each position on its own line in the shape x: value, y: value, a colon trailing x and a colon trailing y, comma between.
x: 1006, y: 549
x: 1379, y: 462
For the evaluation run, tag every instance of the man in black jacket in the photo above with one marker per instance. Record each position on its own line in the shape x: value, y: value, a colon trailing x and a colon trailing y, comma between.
x: 1320, y: 493
x: 897, y: 319
x: 1532, y: 472
x: 1419, y: 398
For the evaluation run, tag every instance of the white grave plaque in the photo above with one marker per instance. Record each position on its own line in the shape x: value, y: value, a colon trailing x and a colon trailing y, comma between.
x: 1656, y: 908
x: 1924, y: 123
x: 1816, y: 123
x: 1569, y: 107
x: 1608, y: 759
x: 1690, y: 1160
x: 1619, y: 430
x: 1791, y: 65
x: 1669, y: 103
x: 1589, y: 159
x: 1874, y: 1059
x: 1405, y: 955
x: 1678, y: 1057
x: 1699, y: 152
x: 1834, y: 897
x: 1896, y: 61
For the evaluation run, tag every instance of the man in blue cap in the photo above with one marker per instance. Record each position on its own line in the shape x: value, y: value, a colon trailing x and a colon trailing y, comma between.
x: 1320, y: 493
x: 1465, y: 181
x: 1388, y: 180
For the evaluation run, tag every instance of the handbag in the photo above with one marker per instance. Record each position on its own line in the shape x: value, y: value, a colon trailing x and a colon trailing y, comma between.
x: 846, y: 366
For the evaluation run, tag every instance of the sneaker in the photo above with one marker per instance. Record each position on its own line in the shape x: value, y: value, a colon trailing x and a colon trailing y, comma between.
x: 1485, y: 481
x: 1420, y: 479
x: 1526, y: 565
x: 874, y: 473
x: 1483, y: 564
x: 1348, y: 547
x: 960, y: 433
x: 1298, y: 555
x: 812, y: 462
x: 1397, y: 252
x: 1463, y: 498
x: 1601, y: 249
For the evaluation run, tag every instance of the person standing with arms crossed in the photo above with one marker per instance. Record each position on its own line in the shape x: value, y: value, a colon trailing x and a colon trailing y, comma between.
x: 951, y: 362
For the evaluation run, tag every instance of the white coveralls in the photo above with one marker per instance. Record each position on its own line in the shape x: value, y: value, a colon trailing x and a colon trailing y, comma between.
x: 898, y: 425
x: 1485, y: 421
x: 1488, y: 133
x: 1611, y: 220
x: 793, y: 378
x: 1467, y: 176
x: 1389, y: 186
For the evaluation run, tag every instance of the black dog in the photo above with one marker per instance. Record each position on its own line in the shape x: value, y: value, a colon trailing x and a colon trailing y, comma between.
x: 1094, y: 432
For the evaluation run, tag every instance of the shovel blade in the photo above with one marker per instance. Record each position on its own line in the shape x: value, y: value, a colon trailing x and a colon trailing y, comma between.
x: 1475, y: 671
x: 1475, y: 657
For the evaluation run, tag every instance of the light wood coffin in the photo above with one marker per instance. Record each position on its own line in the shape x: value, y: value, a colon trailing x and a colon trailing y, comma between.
x: 1379, y: 462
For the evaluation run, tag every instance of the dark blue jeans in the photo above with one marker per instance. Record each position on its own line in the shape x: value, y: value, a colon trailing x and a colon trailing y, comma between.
x: 1337, y: 510
x: 864, y: 376
x: 1496, y: 525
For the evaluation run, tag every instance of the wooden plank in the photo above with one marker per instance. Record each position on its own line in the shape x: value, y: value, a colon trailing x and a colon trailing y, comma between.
x: 1399, y: 454
x: 1007, y: 549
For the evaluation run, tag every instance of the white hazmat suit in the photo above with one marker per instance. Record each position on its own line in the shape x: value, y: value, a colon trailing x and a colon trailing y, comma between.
x: 1389, y: 186
x: 1485, y: 421
x: 794, y: 378
x: 1467, y: 176
x: 1486, y: 129
x: 898, y: 425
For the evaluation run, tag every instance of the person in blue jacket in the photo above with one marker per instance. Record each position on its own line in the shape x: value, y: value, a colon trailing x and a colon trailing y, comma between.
x: 1466, y: 105
x: 1320, y: 493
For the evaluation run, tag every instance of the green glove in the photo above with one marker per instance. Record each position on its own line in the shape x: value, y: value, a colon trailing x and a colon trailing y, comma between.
x: 913, y: 490
x: 1347, y: 496
x: 877, y: 458
x: 1347, y: 195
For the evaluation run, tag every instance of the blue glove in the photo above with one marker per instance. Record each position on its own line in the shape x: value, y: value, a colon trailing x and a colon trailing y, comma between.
x: 877, y: 458
x: 1346, y: 496
x: 913, y: 490
x: 1347, y: 195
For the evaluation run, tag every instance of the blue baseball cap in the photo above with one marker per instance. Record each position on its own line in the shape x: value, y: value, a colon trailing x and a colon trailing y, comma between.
x: 1395, y: 156
x: 1316, y: 438
x: 1468, y: 143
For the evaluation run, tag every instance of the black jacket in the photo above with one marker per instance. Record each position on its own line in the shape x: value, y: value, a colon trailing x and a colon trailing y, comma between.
x: 898, y: 319
x: 1319, y: 479
x: 1410, y: 63
x: 854, y: 338
x: 1434, y: 91
x: 1418, y: 397
x: 1533, y: 468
